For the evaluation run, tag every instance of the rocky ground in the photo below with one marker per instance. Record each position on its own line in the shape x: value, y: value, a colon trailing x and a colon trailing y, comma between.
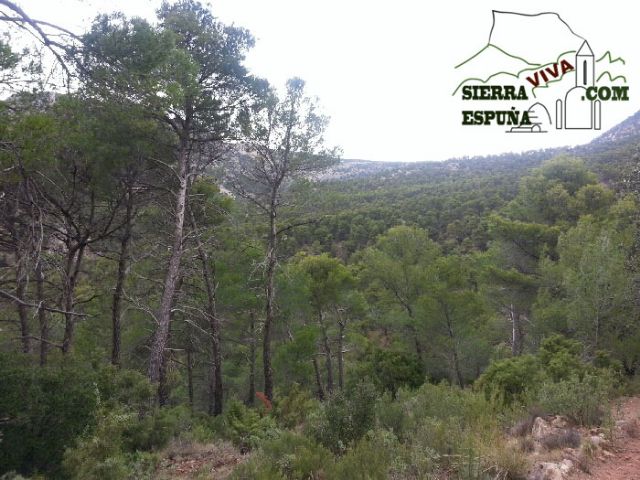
x: 560, y: 451
x: 622, y: 461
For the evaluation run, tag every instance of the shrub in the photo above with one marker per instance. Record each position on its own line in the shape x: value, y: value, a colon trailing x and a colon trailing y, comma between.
x: 560, y: 357
x: 345, y: 418
x: 246, y: 428
x: 154, y: 430
x: 391, y: 415
x: 581, y: 399
x: 43, y: 410
x: 290, y: 456
x: 392, y: 370
x: 510, y: 378
x: 370, y: 458
x: 293, y: 409
x: 256, y: 470
x: 102, y: 454
x: 504, y: 460
x: 121, y: 387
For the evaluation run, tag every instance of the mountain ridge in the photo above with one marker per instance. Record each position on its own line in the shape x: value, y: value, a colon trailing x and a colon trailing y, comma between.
x: 626, y: 131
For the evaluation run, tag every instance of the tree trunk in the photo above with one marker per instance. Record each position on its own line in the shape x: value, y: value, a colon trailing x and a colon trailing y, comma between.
x: 163, y: 386
x: 327, y: 351
x: 71, y: 273
x: 161, y: 335
x: 417, y: 343
x: 272, y: 261
x: 216, y: 390
x: 123, y: 265
x: 454, y: 349
x: 23, y: 313
x: 516, y: 331
x: 190, y: 376
x: 251, y: 393
x: 414, y: 332
x: 341, y: 327
x: 316, y: 369
x: 43, y: 319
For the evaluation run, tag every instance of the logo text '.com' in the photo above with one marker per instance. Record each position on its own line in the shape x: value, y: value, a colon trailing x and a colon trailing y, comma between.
x: 556, y: 82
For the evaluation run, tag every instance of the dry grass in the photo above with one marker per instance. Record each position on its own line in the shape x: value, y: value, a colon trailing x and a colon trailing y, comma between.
x: 562, y: 439
x: 186, y: 459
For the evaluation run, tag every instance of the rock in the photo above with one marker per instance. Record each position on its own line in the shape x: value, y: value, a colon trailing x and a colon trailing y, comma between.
x: 541, y: 428
x: 559, y: 422
x: 551, y: 471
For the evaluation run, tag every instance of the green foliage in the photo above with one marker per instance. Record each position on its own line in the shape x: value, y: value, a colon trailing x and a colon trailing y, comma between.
x: 369, y: 459
x: 345, y: 417
x: 103, y: 454
x: 246, y: 428
x: 153, y: 431
x: 294, y: 457
x: 560, y: 357
x: 124, y: 387
x: 294, y: 408
x: 290, y: 456
x: 44, y: 410
x: 391, y: 370
x: 510, y: 378
x: 583, y: 399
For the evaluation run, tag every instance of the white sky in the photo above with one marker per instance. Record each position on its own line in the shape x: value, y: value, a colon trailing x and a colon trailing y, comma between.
x: 384, y: 70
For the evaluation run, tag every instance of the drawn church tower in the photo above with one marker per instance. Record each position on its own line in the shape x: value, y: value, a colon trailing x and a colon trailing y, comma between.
x: 579, y: 112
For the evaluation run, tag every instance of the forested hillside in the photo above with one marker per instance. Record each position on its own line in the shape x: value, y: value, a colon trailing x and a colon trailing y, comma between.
x: 188, y: 270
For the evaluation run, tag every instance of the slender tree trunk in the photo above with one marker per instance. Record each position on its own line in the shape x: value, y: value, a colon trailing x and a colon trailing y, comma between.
x: 163, y: 386
x: 43, y: 319
x: 454, y: 349
x: 72, y: 271
x: 272, y: 261
x: 123, y: 265
x: 217, y: 390
x: 417, y: 343
x: 23, y: 312
x: 251, y: 393
x: 161, y: 335
x: 516, y: 331
x: 414, y: 333
x: 319, y: 386
x: 341, y: 328
x: 327, y: 351
x: 21, y: 267
x: 190, y: 376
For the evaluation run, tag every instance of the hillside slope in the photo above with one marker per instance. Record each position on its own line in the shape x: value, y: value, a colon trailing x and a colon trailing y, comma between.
x: 359, y: 199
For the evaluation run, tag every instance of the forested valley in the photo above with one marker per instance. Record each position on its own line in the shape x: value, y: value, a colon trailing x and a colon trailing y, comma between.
x: 193, y: 284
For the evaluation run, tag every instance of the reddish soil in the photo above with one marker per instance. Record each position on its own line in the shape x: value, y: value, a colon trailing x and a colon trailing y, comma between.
x: 623, y: 460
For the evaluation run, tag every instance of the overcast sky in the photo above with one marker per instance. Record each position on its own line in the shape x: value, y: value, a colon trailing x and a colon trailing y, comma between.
x: 384, y: 70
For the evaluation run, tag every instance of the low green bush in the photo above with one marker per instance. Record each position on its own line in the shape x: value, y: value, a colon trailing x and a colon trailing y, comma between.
x: 290, y: 456
x: 294, y: 408
x: 246, y: 428
x: 582, y: 399
x: 345, y: 417
x: 510, y: 378
x: 43, y: 410
x: 103, y: 454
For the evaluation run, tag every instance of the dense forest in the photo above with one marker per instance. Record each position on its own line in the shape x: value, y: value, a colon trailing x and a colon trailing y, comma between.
x: 188, y: 270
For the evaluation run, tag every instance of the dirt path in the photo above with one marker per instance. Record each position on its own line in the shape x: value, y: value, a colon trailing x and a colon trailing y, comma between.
x: 623, y: 463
